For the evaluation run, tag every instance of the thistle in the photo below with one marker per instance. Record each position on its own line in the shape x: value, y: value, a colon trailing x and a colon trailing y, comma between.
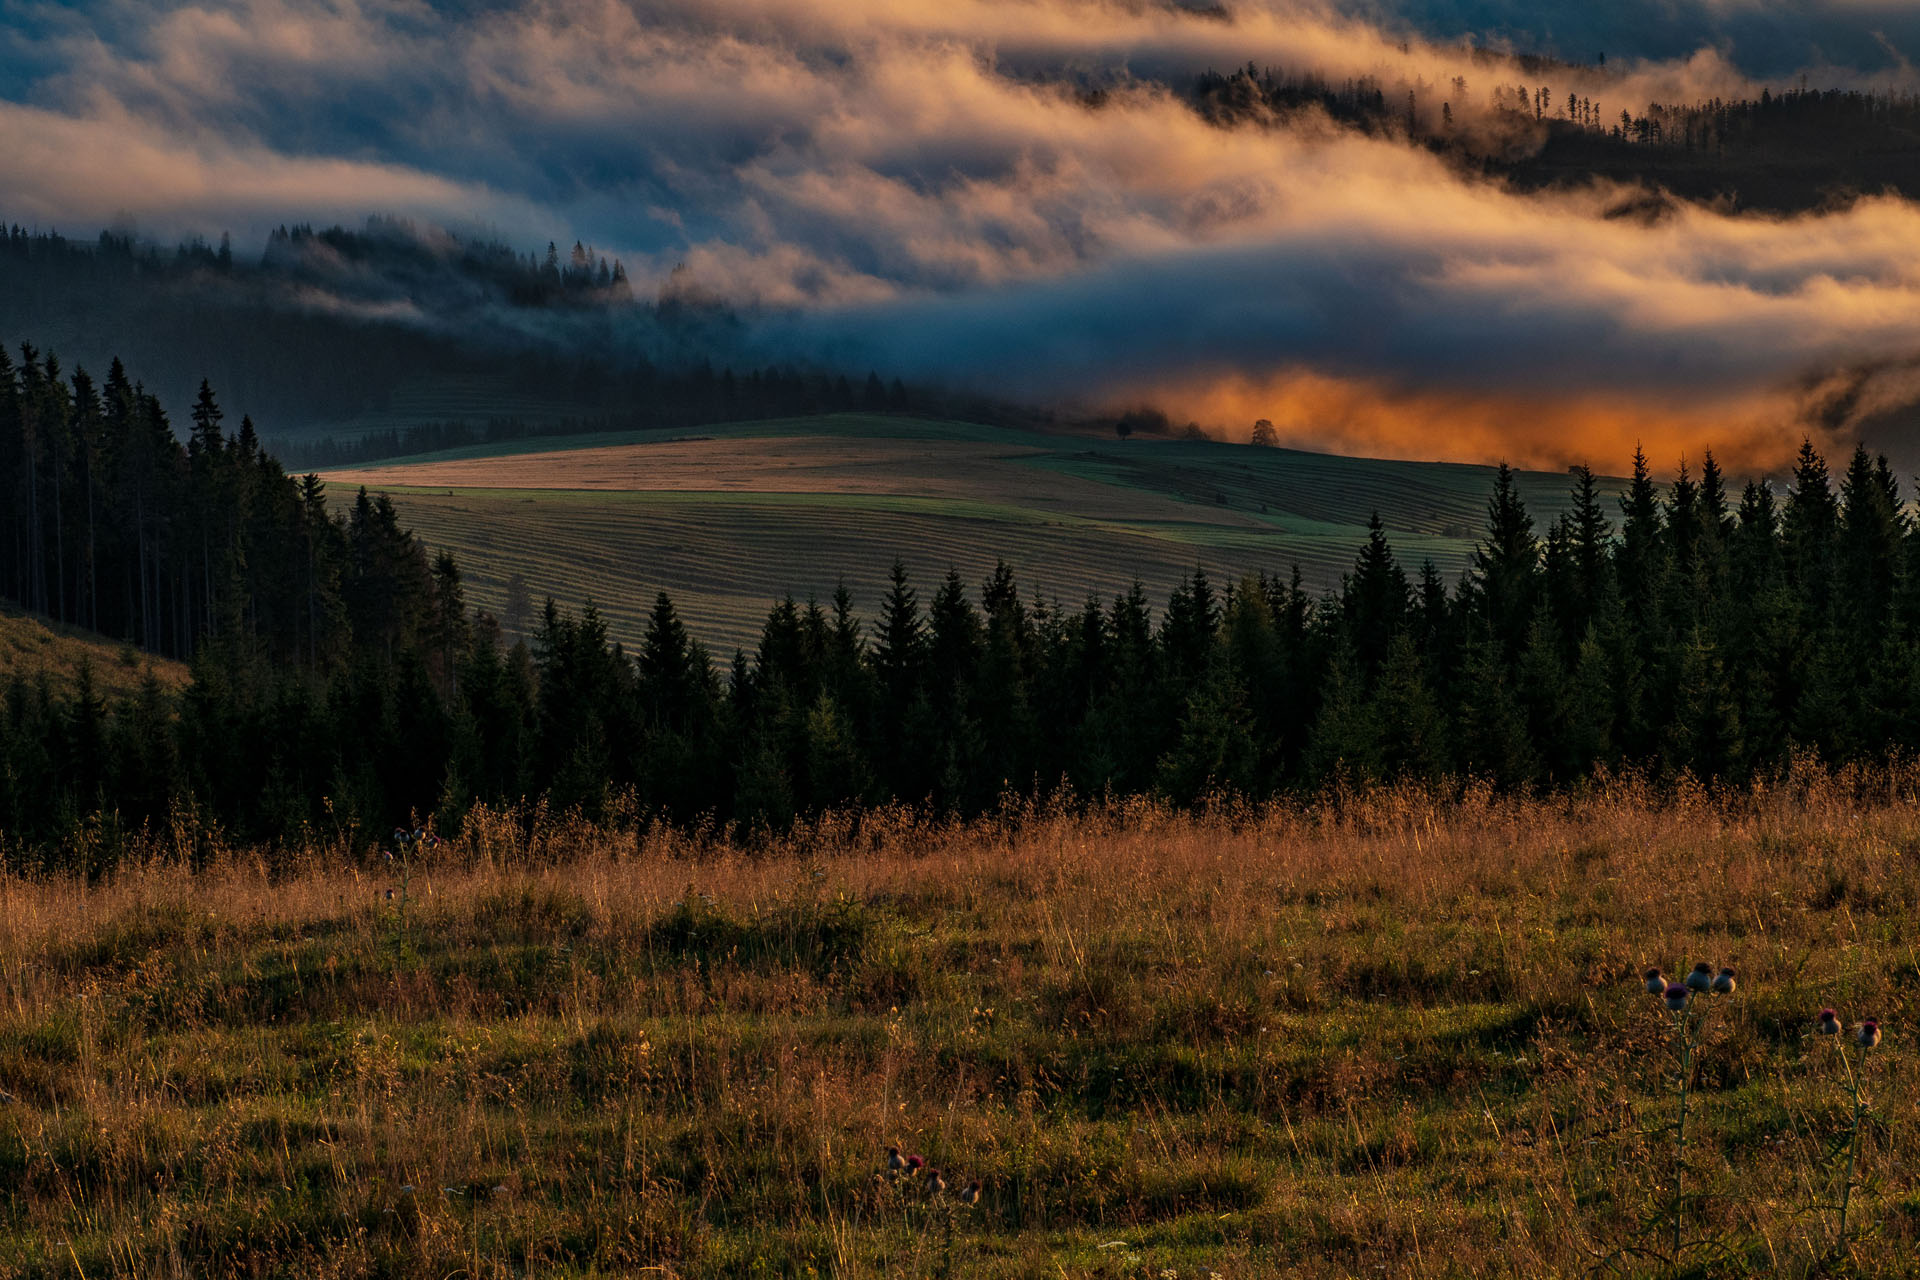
x: 1867, y: 1037
x: 970, y: 1194
x: 935, y: 1183
x: 1680, y: 999
x: 896, y: 1163
x: 1656, y: 982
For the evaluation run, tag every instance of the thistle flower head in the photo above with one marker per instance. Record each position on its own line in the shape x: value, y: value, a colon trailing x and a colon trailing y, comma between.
x: 1676, y: 997
x: 1701, y: 979
x: 895, y: 1161
x: 1724, y: 984
x: 1829, y: 1023
x: 1656, y: 982
x: 935, y: 1183
x: 970, y: 1194
x: 1868, y: 1034
x: 916, y: 1163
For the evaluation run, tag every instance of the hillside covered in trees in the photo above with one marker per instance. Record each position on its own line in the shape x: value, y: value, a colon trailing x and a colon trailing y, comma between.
x: 340, y: 330
x: 1789, y: 152
x: 339, y: 678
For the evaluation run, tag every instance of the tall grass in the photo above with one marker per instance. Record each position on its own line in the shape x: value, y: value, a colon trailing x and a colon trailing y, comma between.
x: 1387, y: 1033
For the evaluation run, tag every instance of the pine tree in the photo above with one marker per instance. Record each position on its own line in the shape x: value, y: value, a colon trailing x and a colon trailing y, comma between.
x: 1374, y: 601
x: 1506, y: 565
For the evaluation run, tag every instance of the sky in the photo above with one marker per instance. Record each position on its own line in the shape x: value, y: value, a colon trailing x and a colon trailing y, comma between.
x: 921, y: 186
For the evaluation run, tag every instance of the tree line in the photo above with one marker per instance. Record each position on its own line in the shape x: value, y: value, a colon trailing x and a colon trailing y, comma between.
x: 339, y: 679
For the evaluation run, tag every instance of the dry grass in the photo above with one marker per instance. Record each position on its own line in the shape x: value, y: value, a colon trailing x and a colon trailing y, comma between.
x: 1391, y: 1034
x: 32, y: 647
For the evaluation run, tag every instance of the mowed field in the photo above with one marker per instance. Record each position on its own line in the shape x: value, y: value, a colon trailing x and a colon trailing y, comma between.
x: 1398, y: 1035
x: 729, y: 518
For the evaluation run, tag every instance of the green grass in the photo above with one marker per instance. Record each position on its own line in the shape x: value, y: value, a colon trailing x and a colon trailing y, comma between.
x: 1402, y: 1036
x: 1072, y: 514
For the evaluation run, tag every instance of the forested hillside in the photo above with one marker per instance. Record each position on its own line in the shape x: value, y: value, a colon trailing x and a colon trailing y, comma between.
x: 349, y: 346
x: 1788, y: 152
x: 339, y: 677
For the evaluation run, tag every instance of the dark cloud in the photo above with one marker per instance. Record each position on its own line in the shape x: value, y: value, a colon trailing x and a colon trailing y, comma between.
x: 1763, y: 38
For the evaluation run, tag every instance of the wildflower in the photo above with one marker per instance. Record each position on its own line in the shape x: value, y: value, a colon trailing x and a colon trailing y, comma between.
x: 1701, y: 979
x: 1724, y: 984
x: 1676, y: 997
x: 1656, y: 982
x: 915, y: 1164
x: 1829, y: 1023
x: 896, y: 1162
x: 935, y: 1183
x: 1868, y: 1035
x: 970, y: 1194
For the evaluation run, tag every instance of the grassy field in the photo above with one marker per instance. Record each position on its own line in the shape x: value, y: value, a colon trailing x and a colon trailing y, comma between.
x: 32, y: 647
x: 1395, y: 1035
x: 728, y: 518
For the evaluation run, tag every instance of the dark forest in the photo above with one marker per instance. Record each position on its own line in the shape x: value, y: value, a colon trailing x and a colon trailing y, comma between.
x: 339, y: 678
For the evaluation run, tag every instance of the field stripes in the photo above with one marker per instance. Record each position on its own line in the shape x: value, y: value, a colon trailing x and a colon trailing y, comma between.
x: 728, y: 518
x: 726, y: 558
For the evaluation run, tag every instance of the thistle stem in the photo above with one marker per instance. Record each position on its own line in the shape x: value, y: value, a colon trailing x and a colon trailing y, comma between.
x: 1853, y: 1139
x: 1680, y: 1129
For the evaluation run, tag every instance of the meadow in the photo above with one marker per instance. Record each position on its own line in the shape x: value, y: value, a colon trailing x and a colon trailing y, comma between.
x: 34, y: 649
x: 727, y: 518
x: 1394, y: 1033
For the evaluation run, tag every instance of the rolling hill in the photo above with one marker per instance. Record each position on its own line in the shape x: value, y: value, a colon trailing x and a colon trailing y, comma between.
x: 32, y: 647
x: 728, y: 518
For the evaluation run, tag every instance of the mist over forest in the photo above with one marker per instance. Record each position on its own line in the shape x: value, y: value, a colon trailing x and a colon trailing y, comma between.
x: 1423, y: 230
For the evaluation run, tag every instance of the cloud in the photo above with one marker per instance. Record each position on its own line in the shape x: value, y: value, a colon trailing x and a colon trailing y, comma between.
x: 1010, y: 194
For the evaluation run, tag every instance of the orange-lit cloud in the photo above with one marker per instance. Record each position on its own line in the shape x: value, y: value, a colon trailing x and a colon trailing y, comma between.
x: 1748, y: 433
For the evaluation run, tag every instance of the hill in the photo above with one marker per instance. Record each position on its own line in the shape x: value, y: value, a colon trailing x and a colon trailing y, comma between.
x: 728, y: 518
x: 32, y: 647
